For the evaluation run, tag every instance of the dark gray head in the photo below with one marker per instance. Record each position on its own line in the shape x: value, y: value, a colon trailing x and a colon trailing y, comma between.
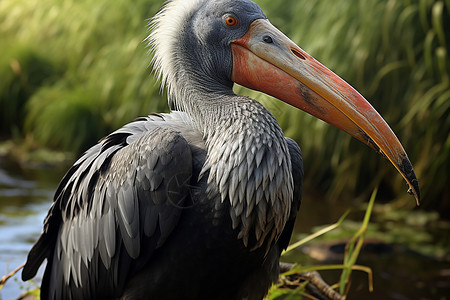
x: 191, y: 41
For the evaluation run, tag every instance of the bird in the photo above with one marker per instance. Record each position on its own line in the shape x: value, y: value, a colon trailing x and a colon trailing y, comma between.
x: 199, y: 202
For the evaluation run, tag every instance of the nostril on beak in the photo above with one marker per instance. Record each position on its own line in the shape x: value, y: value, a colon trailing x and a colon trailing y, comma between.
x: 298, y: 54
x: 267, y: 39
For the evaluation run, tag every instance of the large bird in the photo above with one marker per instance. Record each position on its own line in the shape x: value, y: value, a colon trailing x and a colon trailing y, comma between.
x: 199, y: 203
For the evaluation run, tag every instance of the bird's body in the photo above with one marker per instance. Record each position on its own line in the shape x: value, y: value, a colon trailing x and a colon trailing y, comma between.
x: 197, y: 203
x: 146, y: 185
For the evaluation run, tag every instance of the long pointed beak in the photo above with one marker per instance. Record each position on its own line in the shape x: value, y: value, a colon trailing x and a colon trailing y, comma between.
x: 265, y: 59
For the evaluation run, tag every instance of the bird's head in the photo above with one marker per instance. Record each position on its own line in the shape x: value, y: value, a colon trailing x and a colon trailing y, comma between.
x: 192, y: 41
x: 210, y: 45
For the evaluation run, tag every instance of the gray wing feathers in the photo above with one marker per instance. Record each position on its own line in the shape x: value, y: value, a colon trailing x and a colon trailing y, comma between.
x: 121, y: 196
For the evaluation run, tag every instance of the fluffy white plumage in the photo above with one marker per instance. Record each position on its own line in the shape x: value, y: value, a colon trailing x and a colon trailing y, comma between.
x: 165, y: 28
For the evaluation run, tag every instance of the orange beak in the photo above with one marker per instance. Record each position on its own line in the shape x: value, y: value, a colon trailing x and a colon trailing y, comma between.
x: 264, y: 59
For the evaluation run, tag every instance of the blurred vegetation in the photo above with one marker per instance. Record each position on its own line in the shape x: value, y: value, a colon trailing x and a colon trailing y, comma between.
x: 73, y: 71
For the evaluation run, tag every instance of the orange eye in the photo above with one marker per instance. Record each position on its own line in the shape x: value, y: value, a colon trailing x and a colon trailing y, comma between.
x: 231, y: 21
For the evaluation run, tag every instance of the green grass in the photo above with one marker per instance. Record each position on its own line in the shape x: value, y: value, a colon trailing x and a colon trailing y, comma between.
x: 352, y: 250
x: 99, y: 59
x: 73, y: 71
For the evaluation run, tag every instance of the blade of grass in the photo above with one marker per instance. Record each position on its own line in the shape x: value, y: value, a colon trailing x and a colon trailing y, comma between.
x: 316, y: 234
x: 354, y: 246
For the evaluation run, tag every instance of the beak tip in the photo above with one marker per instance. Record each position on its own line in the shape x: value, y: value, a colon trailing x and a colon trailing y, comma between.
x: 414, y: 190
x: 408, y: 172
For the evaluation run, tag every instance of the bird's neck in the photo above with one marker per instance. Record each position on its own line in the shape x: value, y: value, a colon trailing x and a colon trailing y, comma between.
x: 248, y: 165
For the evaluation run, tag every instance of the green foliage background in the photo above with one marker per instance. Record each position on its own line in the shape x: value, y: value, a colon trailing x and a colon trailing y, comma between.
x: 73, y: 71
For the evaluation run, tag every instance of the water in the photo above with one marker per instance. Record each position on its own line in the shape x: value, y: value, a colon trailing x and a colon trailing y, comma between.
x: 399, y: 273
x: 25, y: 197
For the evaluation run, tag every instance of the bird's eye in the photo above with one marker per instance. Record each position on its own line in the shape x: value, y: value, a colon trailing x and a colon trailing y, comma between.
x: 231, y: 20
